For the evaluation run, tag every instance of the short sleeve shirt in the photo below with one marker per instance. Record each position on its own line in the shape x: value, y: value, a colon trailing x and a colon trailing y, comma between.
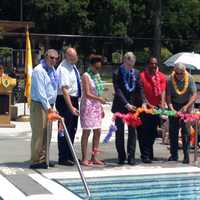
x: 180, y: 84
x: 149, y: 90
x: 67, y: 78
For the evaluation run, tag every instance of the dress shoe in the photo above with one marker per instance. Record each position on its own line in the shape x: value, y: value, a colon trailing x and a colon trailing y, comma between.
x: 51, y: 164
x: 186, y: 160
x: 121, y: 162
x: 131, y: 161
x: 172, y: 159
x: 66, y: 162
x: 39, y: 166
x: 146, y: 160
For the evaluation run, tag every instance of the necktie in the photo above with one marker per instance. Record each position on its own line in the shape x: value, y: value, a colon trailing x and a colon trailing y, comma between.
x: 78, y: 81
x: 130, y: 81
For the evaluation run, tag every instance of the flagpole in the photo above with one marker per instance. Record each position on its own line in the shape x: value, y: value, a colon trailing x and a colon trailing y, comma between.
x: 27, y: 76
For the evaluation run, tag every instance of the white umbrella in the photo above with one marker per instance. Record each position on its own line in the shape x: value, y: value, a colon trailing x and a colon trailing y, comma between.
x: 191, y: 60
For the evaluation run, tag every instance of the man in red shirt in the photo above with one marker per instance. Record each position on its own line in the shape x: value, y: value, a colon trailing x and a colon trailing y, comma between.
x: 153, y: 84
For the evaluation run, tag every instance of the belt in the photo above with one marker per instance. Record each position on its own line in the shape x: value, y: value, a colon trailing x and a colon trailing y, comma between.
x: 35, y: 101
x: 40, y: 102
x: 72, y: 97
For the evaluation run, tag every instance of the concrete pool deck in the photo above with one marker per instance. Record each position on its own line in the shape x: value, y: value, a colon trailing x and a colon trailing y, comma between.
x: 17, y: 181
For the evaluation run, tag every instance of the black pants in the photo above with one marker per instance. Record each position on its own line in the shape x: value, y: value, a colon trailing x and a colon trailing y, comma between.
x: 174, y: 125
x: 119, y: 141
x: 71, y: 122
x: 147, y: 134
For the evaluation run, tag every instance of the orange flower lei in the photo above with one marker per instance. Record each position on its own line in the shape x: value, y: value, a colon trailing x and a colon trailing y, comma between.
x: 186, y: 83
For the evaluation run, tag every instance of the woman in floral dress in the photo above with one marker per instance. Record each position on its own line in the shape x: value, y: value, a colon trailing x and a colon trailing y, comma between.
x: 91, y: 110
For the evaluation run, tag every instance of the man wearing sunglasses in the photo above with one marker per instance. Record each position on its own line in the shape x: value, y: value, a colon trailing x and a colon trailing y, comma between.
x: 44, y: 87
x: 67, y: 103
x: 181, y: 96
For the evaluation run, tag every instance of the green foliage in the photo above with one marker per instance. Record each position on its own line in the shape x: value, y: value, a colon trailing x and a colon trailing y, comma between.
x: 165, y: 54
x: 5, y: 51
x: 142, y: 56
x: 130, y: 19
x: 181, y: 20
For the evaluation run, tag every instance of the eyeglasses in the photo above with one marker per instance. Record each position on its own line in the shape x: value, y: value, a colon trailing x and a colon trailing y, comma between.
x: 53, y: 58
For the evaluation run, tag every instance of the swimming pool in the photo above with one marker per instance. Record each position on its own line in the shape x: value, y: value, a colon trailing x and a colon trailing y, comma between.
x: 171, y: 186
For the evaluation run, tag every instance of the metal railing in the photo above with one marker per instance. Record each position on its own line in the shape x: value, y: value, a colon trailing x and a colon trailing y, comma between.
x: 49, y: 128
x: 196, y: 142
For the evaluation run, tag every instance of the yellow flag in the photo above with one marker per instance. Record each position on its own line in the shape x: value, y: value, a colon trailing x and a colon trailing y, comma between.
x: 28, y: 67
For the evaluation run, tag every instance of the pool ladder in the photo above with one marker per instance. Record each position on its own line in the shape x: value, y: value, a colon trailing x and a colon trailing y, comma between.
x: 73, y: 153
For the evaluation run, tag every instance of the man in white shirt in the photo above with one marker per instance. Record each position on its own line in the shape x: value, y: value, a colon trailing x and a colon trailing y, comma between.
x: 67, y: 103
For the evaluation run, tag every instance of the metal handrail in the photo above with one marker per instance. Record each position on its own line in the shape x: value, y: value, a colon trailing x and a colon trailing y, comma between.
x: 76, y: 160
x: 66, y: 134
x: 196, y: 141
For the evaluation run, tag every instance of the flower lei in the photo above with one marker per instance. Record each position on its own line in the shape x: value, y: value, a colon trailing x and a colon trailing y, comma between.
x: 51, y: 73
x: 186, y: 83
x: 97, y: 81
x: 155, y: 81
x: 133, y: 118
x: 131, y: 75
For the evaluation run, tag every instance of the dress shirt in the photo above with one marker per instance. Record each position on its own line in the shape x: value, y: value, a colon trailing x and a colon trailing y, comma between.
x: 42, y: 90
x: 67, y: 78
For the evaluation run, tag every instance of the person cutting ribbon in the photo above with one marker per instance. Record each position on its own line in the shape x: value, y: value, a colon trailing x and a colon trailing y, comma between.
x: 181, y: 96
x: 127, y: 96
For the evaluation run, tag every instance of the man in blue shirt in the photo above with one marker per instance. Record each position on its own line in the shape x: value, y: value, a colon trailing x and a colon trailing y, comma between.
x: 44, y: 87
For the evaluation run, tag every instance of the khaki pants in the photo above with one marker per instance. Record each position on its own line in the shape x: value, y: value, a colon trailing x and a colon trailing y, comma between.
x: 38, y: 120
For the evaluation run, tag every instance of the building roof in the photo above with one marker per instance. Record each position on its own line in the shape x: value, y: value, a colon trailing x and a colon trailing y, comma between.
x: 11, y: 26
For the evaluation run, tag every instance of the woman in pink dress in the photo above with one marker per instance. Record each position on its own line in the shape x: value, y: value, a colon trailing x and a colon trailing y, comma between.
x: 91, y: 110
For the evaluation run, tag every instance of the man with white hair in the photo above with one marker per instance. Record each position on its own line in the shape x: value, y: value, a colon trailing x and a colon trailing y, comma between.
x: 44, y: 85
x: 181, y: 96
x: 126, y: 98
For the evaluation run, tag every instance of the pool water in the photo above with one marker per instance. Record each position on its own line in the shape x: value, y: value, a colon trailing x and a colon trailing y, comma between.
x: 146, y: 187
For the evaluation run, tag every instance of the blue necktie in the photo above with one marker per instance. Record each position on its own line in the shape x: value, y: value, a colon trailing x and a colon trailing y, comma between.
x: 130, y: 79
x: 78, y: 81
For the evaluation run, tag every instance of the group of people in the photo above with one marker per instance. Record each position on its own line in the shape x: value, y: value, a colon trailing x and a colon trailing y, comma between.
x: 152, y: 89
x: 59, y: 90
x: 63, y: 87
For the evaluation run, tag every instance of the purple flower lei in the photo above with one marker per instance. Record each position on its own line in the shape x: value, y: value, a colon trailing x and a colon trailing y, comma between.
x: 51, y: 73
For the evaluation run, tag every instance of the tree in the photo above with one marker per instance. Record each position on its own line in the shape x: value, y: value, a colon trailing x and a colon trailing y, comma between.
x: 181, y: 19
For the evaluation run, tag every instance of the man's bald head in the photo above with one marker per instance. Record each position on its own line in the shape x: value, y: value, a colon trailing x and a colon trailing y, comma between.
x: 71, y: 55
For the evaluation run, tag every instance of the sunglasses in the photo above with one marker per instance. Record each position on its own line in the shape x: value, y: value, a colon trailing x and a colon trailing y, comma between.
x: 53, y: 58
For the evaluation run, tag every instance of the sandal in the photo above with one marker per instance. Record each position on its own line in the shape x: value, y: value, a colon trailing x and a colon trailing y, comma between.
x: 98, y: 162
x: 86, y: 163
